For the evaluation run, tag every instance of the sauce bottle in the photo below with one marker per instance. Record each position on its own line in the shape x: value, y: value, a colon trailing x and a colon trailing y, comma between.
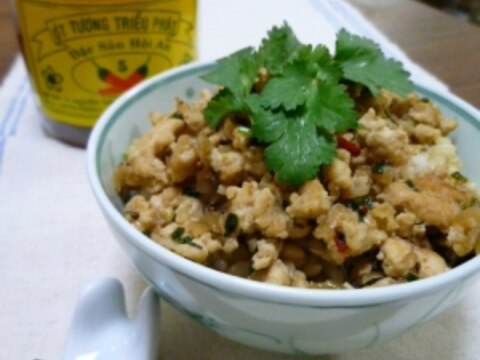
x: 82, y: 54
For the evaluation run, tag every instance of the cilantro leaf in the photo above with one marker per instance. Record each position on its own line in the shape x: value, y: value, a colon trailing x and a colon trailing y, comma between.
x: 299, y: 153
x: 290, y: 89
x: 277, y: 48
x: 236, y: 72
x: 331, y: 108
x: 267, y: 125
x: 301, y: 105
x: 224, y: 103
x: 392, y: 76
x: 289, y: 92
x: 324, y: 65
x: 363, y: 62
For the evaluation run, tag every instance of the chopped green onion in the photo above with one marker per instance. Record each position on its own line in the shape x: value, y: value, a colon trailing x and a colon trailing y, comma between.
x: 231, y: 223
x: 411, y: 277
x: 178, y: 237
x: 186, y: 239
x: 361, y: 205
x: 244, y: 131
x: 411, y: 185
x: 379, y: 167
x: 177, y: 115
x: 178, y: 233
x: 457, y: 175
x: 192, y: 192
x: 359, y: 202
x: 474, y: 202
x: 195, y: 245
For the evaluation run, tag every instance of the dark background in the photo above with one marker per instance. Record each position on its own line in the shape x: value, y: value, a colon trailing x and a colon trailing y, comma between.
x: 467, y: 10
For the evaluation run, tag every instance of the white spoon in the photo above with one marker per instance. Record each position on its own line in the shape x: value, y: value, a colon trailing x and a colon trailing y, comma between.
x: 102, y: 330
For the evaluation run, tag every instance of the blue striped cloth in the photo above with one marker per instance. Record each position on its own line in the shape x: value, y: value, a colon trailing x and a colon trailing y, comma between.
x: 14, y: 95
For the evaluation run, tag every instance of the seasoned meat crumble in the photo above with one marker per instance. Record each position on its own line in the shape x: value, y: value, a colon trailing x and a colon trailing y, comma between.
x: 392, y: 207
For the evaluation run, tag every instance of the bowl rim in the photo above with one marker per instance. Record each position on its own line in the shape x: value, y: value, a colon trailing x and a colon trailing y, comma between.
x: 235, y: 286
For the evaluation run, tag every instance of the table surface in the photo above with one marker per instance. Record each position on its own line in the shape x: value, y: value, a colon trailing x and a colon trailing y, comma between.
x: 440, y: 43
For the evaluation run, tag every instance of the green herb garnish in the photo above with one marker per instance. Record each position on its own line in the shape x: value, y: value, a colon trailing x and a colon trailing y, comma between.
x: 192, y: 192
x: 411, y: 185
x: 411, y: 277
x: 177, y: 236
x: 361, y: 205
x: 379, y: 167
x: 304, y: 102
x: 177, y: 115
x: 195, y: 245
x: 231, y: 223
x: 186, y: 239
x: 474, y: 202
x: 363, y: 62
x: 457, y: 175
x: 178, y: 233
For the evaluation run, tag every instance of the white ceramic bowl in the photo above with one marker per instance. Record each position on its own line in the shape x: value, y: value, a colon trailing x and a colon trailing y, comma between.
x: 289, y: 320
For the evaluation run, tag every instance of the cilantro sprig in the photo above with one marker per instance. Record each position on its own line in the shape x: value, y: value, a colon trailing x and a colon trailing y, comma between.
x: 304, y: 102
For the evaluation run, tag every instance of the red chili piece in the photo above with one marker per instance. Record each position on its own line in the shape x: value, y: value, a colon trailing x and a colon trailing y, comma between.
x: 351, y: 147
x: 342, y: 246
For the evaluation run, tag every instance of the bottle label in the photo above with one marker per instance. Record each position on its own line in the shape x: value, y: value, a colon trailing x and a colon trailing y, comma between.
x: 82, y: 54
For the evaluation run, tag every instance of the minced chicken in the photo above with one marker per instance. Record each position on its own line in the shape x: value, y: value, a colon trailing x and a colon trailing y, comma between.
x: 391, y: 207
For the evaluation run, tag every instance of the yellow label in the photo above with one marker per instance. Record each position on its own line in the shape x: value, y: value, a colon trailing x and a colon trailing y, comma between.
x: 82, y: 54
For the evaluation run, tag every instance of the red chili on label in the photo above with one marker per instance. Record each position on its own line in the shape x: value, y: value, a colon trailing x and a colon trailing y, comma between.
x: 345, y: 144
x: 110, y: 78
x: 137, y: 76
x: 117, y: 84
x: 114, y: 90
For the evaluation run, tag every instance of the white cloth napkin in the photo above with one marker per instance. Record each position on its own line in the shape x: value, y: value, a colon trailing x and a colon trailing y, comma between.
x: 54, y: 240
